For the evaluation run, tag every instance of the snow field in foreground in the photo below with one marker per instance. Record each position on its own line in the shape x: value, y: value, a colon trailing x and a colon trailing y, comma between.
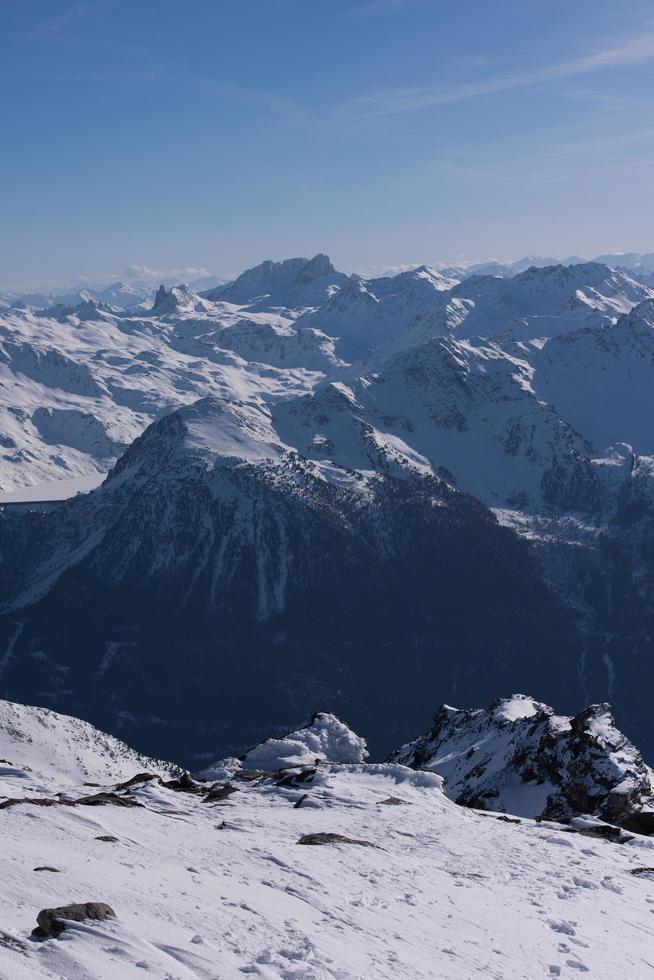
x: 224, y: 890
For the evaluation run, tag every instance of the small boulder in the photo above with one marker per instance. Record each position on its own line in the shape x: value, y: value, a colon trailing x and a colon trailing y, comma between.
x: 183, y: 784
x: 295, y: 777
x: 218, y: 793
x: 108, y: 838
x: 52, y: 922
x: 140, y: 777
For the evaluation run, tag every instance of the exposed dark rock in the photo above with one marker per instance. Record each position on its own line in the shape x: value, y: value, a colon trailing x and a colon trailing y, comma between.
x: 102, y: 799
x: 218, y: 793
x: 322, y: 838
x: 615, y: 835
x: 252, y: 775
x: 296, y: 778
x: 641, y: 822
x: 140, y: 777
x: 52, y: 922
x: 35, y: 801
x: 45, y: 867
x: 184, y: 784
x: 97, y: 799
x: 108, y: 838
x: 393, y: 801
x: 298, y: 803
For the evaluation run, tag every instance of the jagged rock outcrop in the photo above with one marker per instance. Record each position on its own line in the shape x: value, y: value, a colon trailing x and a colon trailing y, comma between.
x: 518, y: 756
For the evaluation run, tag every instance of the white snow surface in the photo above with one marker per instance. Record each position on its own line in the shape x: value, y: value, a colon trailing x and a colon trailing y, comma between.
x: 325, y: 738
x: 41, y: 750
x: 224, y: 890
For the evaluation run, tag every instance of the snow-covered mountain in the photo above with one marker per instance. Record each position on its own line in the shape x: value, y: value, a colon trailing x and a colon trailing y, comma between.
x: 211, y: 525
x: 284, y: 328
x: 304, y: 453
x: 493, y: 267
x: 326, y: 738
x: 336, y: 869
x: 105, y: 376
x: 465, y: 411
x: 635, y: 261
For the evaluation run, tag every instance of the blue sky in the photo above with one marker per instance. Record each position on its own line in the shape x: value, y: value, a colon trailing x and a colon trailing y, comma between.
x: 213, y: 134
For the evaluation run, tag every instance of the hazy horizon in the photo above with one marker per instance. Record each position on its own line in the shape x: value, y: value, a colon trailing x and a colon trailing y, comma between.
x: 141, y: 274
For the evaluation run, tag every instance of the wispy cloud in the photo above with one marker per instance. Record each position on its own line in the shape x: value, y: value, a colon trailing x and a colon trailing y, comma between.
x: 231, y: 92
x: 631, y: 51
x: 140, y: 272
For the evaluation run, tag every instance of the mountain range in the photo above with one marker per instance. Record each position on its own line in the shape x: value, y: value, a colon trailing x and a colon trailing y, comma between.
x: 325, y: 490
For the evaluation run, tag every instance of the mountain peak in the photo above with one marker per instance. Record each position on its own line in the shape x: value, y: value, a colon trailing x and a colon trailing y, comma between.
x: 176, y: 299
x: 283, y: 283
x: 317, y: 267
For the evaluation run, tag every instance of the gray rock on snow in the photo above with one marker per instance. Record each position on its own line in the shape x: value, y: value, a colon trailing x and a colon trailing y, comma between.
x: 52, y: 922
x: 322, y: 838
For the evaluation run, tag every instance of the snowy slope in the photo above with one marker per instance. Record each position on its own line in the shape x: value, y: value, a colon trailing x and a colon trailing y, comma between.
x: 367, y: 312
x: 41, y: 749
x: 79, y: 387
x: 600, y: 379
x: 542, y: 302
x: 205, y: 889
x: 462, y: 410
